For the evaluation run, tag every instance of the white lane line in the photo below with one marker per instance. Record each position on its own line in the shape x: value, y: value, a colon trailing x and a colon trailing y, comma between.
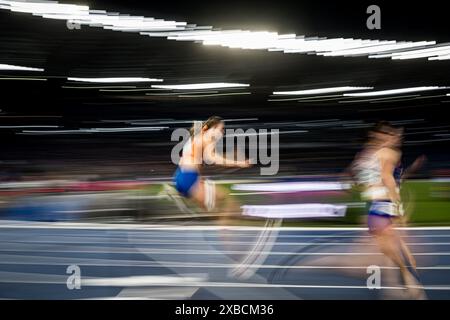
x: 64, y: 243
x: 157, y: 293
x: 131, y: 281
x: 72, y: 251
x: 143, y: 281
x: 146, y: 281
x: 436, y: 287
x: 273, y: 253
x: 159, y: 235
x: 182, y: 264
x: 72, y: 225
x: 129, y: 298
x: 264, y: 285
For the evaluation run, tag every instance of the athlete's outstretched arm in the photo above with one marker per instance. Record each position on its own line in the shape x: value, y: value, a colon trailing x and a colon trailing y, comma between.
x: 212, y: 157
x: 417, y: 164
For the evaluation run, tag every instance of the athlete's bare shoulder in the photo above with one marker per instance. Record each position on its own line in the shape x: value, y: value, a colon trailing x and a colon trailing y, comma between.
x: 389, y: 154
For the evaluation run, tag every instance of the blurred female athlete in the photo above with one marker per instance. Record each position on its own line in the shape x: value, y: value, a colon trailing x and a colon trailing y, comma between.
x: 200, y: 149
x: 378, y: 169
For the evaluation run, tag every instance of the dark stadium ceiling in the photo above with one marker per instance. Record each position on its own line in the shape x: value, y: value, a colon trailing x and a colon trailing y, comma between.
x: 65, y: 50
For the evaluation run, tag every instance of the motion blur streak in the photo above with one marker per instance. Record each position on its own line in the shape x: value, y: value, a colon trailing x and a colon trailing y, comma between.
x: 323, y: 90
x: 304, y: 210
x: 201, y: 86
x: 19, y: 68
x: 114, y: 80
x: 292, y: 186
x: 393, y: 91
x: 181, y: 31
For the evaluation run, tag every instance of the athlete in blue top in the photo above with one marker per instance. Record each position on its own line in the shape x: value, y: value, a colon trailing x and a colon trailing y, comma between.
x: 200, y: 148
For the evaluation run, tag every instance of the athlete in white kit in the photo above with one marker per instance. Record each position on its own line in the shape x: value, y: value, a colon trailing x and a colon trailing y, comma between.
x: 378, y: 169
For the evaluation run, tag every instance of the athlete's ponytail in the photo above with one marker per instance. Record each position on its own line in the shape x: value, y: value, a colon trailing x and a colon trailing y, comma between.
x: 385, y: 127
x: 208, y: 124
